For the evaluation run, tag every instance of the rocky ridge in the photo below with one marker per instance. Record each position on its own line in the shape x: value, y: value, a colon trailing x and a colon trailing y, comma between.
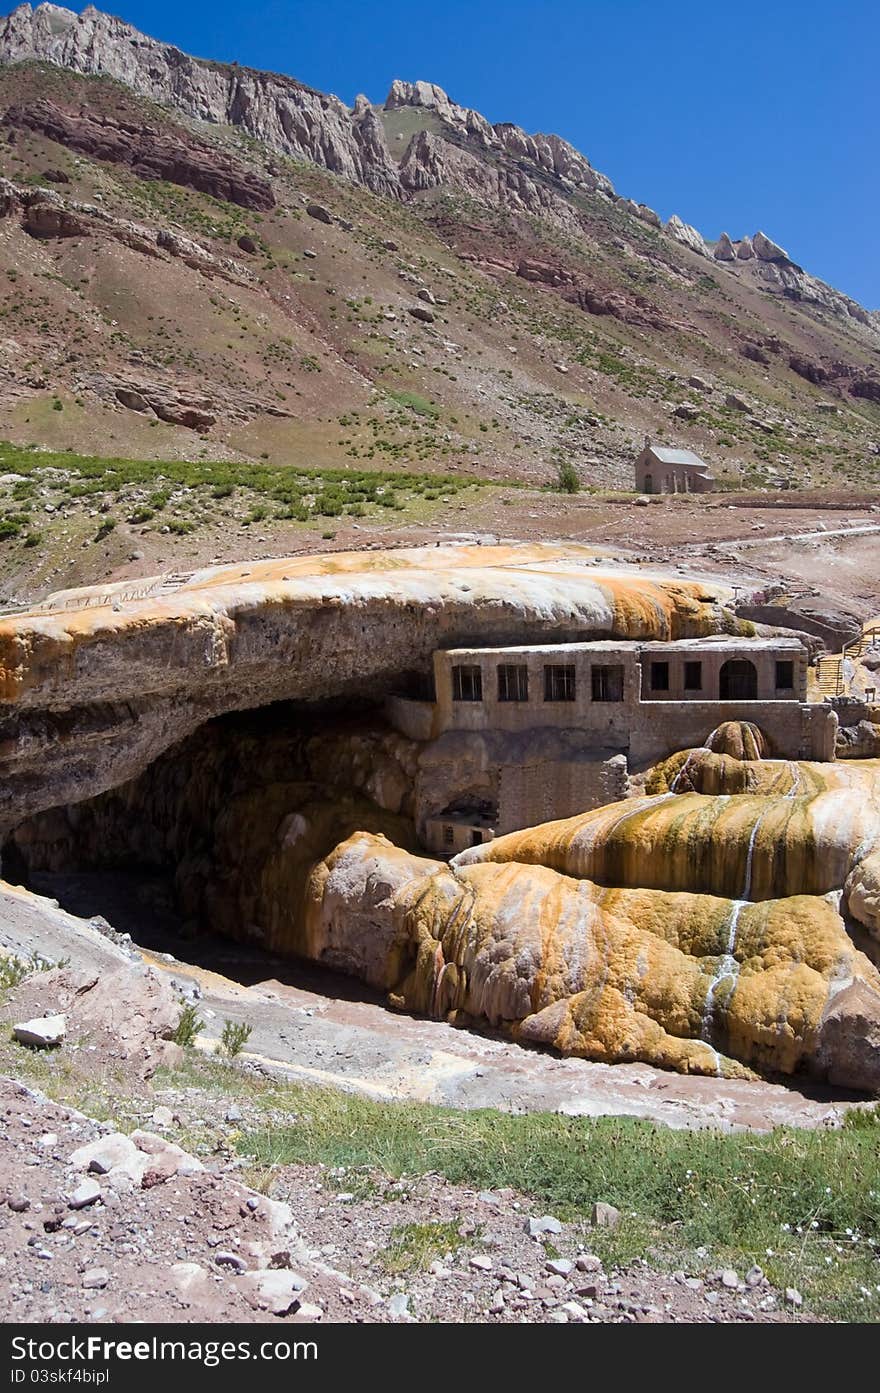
x: 499, y: 164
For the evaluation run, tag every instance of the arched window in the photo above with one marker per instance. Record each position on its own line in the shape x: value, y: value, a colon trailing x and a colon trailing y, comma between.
x: 738, y: 680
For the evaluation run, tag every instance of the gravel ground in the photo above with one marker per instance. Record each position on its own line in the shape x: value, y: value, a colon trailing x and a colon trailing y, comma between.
x: 153, y: 1238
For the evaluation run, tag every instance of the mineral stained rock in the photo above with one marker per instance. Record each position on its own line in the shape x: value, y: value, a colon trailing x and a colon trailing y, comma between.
x: 96, y: 683
x: 705, y: 932
x: 694, y: 982
x: 745, y: 846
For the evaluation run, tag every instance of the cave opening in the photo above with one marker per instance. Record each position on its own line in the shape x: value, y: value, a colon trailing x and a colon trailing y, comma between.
x: 206, y: 854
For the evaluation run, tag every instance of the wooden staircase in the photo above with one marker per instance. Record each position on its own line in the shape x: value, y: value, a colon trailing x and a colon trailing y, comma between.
x: 830, y: 681
x: 829, y: 677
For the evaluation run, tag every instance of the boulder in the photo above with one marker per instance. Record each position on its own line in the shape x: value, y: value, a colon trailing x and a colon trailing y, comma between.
x: 849, y: 1038
x: 754, y: 353
x: 744, y: 249
x: 47, y: 220
x: 735, y: 402
x: 648, y: 216
x: 808, y: 368
x: 867, y: 388
x: 41, y: 1032
x: 419, y: 312
x: 604, y: 1216
x: 319, y: 213
x: 276, y: 1291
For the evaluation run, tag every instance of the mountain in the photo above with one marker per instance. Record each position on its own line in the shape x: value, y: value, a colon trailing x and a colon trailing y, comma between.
x: 398, y: 282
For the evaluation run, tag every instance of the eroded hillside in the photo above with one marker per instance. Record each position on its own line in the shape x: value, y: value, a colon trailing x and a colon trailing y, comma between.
x: 399, y: 283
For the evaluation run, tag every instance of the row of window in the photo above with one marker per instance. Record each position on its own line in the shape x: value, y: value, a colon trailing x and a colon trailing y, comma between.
x: 739, y: 671
x: 560, y: 682
x: 606, y: 680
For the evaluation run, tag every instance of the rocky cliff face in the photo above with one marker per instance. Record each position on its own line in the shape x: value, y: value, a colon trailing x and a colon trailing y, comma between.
x: 282, y: 113
x: 147, y: 151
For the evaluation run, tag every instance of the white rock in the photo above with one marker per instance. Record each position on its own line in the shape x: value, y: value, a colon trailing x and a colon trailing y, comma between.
x: 765, y: 250
x: 573, y: 1310
x: 685, y: 234
x: 86, y: 1193
x: 398, y: 1304
x: 187, y: 1275
x: 724, y: 249
x: 42, y: 1031
x: 545, y: 1224
x: 588, y: 1262
x: 307, y: 1312
x: 115, y: 1154
x: 277, y: 1291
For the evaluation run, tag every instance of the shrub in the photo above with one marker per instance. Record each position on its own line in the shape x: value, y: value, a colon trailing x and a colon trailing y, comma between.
x: 234, y: 1037
x: 188, y: 1027
x: 567, y: 480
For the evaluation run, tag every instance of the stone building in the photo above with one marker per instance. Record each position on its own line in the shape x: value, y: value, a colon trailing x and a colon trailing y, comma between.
x: 512, y: 737
x: 661, y: 469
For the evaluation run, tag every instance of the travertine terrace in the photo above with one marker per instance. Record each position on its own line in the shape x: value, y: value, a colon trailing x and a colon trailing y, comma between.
x: 707, y: 924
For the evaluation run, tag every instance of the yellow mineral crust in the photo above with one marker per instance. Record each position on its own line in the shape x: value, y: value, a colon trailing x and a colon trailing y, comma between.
x: 686, y: 981
x: 740, y: 846
x: 704, y: 771
x: 161, y: 625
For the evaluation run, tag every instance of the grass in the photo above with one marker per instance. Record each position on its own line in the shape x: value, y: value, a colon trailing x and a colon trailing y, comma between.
x: 803, y: 1205
x: 413, y: 1247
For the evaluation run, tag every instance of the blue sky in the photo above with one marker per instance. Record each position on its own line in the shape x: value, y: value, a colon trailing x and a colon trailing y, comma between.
x: 735, y: 116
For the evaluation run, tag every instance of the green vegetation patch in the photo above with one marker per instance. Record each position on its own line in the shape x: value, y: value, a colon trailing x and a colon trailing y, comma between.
x: 413, y: 1247
x: 183, y: 495
x: 803, y: 1205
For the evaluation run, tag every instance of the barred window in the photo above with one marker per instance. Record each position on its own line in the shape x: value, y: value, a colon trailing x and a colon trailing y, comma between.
x: 513, y: 682
x: 607, y: 682
x: 467, y: 683
x: 448, y: 834
x: 559, y: 682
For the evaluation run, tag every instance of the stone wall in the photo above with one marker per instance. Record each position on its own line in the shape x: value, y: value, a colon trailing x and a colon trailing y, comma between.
x: 794, y: 730
x: 540, y: 792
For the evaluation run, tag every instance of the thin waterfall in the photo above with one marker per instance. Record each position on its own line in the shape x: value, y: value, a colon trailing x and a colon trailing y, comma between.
x: 726, y: 968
